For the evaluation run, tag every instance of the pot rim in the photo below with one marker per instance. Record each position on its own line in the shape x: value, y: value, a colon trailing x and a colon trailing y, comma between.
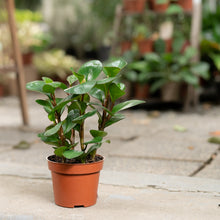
x: 75, y: 164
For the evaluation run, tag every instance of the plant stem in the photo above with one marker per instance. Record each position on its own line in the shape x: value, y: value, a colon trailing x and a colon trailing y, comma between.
x: 58, y: 118
x: 106, y: 103
x: 81, y: 131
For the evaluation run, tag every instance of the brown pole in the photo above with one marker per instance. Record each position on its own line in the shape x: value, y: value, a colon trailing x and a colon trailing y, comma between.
x: 18, y: 61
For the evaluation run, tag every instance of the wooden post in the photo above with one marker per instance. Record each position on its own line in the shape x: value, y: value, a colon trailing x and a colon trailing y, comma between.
x: 116, y: 27
x: 192, y: 96
x: 18, y: 60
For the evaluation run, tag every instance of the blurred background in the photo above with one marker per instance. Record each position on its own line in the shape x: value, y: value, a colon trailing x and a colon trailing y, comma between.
x: 155, y: 38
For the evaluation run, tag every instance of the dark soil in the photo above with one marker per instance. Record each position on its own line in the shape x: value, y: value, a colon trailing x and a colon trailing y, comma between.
x: 57, y: 159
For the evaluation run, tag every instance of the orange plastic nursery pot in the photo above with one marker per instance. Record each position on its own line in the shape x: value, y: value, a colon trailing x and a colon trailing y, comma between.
x: 133, y: 6
x: 75, y: 185
x: 186, y: 4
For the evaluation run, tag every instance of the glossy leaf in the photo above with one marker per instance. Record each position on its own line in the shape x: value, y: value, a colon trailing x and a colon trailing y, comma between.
x: 115, y: 92
x: 70, y: 154
x: 114, y: 119
x: 94, y: 140
x: 36, y: 86
x: 47, y: 79
x: 53, y: 130
x: 93, y: 148
x: 97, y: 93
x: 86, y: 115
x: 80, y: 77
x: 81, y: 88
x: 98, y: 133
x: 68, y: 124
x: 71, y: 79
x: 60, y: 150
x: 126, y: 105
x: 91, y: 70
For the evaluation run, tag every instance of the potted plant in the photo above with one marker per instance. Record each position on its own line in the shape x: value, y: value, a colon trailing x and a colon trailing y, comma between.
x: 75, y: 165
x: 186, y: 4
x: 173, y: 69
x: 134, y: 6
x: 142, y: 36
x: 55, y: 64
x: 159, y: 5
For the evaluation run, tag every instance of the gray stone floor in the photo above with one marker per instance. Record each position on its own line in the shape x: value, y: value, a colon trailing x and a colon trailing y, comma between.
x: 143, y: 148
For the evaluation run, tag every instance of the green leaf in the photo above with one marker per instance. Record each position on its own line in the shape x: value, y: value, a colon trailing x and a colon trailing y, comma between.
x: 126, y: 105
x: 93, y: 148
x: 115, y: 92
x: 59, y: 151
x: 114, y: 119
x: 174, y: 9
x: 191, y: 79
x: 201, y: 69
x: 91, y: 70
x: 81, y: 88
x: 53, y: 130
x: 51, y: 140
x: 68, y: 124
x: 157, y: 85
x: 36, y: 86
x: 111, y: 71
x: 112, y: 68
x: 83, y: 117
x: 48, y: 89
x: 80, y: 77
x: 94, y: 140
x: 106, y: 80
x: 70, y: 154
x: 98, y: 133
x: 46, y: 104
x: 71, y: 79
x: 97, y: 93
x: 47, y: 80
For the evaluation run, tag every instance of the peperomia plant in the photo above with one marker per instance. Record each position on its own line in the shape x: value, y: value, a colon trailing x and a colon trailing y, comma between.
x: 87, y: 94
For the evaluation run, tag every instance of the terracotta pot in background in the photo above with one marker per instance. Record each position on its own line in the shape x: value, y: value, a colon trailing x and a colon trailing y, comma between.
x: 125, y: 46
x: 159, y: 7
x: 168, y: 45
x: 186, y: 4
x: 134, y: 6
x: 27, y: 58
x: 145, y: 45
x: 171, y: 92
x: 141, y: 91
x: 1, y: 90
x: 75, y: 184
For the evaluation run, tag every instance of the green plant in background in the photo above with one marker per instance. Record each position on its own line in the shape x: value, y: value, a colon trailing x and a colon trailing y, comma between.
x: 27, y: 15
x: 176, y: 67
x: 210, y: 45
x: 68, y: 114
x: 55, y: 63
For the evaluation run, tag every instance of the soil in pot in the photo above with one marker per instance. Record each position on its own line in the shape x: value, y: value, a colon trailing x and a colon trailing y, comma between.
x: 75, y: 184
x: 145, y: 45
x: 159, y: 7
x: 134, y: 6
x: 186, y: 4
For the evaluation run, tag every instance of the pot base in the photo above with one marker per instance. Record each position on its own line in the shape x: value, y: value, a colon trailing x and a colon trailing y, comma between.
x: 75, y: 185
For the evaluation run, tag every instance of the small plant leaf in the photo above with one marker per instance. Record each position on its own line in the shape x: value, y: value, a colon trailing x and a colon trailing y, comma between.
x: 53, y: 130
x: 80, y: 77
x: 93, y: 148
x: 47, y: 79
x: 70, y: 154
x: 81, y: 88
x: 114, y: 119
x: 71, y: 79
x: 98, y: 133
x: 94, y: 140
x: 36, y: 86
x: 115, y: 92
x: 126, y: 105
x: 86, y: 115
x: 60, y: 150
x: 91, y: 70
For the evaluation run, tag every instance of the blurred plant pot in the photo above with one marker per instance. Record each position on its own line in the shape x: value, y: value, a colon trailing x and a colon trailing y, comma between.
x: 1, y: 90
x: 159, y: 7
x: 75, y: 185
x: 27, y: 58
x: 186, y: 4
x: 168, y: 45
x: 125, y: 46
x: 145, y: 45
x: 171, y: 92
x: 141, y: 91
x: 134, y: 6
